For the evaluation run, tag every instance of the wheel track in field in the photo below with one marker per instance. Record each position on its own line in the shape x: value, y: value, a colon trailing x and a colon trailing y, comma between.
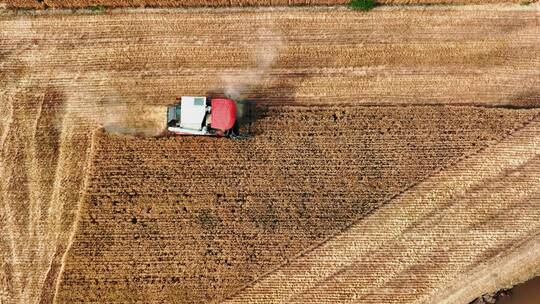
x: 34, y: 240
x: 65, y: 248
x: 41, y: 233
x: 52, y: 225
x: 8, y: 277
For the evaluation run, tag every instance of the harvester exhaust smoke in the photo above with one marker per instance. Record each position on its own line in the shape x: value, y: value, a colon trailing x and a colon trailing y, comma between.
x: 238, y: 85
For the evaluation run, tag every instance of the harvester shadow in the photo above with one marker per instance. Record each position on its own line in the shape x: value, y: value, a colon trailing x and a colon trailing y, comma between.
x: 250, y: 113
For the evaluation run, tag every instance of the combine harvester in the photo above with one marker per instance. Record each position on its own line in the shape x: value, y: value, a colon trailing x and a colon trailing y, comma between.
x: 203, y: 116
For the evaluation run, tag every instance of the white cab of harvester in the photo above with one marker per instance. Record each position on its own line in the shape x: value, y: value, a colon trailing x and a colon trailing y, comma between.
x: 192, y: 111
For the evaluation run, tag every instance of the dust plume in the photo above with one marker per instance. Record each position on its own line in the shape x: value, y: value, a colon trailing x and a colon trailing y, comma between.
x: 138, y: 119
x: 267, y: 48
x: 118, y: 115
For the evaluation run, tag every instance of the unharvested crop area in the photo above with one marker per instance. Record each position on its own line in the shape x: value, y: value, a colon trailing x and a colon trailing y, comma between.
x: 394, y: 200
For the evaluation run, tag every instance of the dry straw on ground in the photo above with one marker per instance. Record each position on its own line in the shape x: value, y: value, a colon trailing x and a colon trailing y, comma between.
x: 218, y: 3
x: 87, y: 214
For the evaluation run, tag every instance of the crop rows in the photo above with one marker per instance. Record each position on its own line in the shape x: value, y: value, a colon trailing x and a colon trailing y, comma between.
x: 195, y: 219
x: 449, y: 56
x: 62, y: 75
x: 212, y: 3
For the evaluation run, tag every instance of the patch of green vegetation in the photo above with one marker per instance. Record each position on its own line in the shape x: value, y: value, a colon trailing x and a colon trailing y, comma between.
x: 97, y: 8
x: 362, y: 5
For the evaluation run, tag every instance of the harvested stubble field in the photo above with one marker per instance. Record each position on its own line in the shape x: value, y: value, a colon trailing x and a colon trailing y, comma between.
x: 397, y: 202
x: 98, y: 4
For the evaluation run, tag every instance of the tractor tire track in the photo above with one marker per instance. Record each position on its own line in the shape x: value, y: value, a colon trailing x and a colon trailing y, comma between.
x: 64, y: 243
x: 8, y: 278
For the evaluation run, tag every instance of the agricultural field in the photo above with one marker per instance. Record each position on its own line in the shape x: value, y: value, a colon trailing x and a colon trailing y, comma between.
x: 101, y: 4
x: 240, y: 214
x: 393, y: 156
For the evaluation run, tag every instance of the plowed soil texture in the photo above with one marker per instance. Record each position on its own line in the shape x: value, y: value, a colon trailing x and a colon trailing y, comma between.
x: 98, y: 5
x: 332, y: 198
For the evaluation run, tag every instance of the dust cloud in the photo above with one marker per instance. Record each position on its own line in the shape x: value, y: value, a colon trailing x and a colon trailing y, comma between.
x: 128, y: 117
x: 136, y: 120
x: 118, y: 115
x: 268, y: 46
